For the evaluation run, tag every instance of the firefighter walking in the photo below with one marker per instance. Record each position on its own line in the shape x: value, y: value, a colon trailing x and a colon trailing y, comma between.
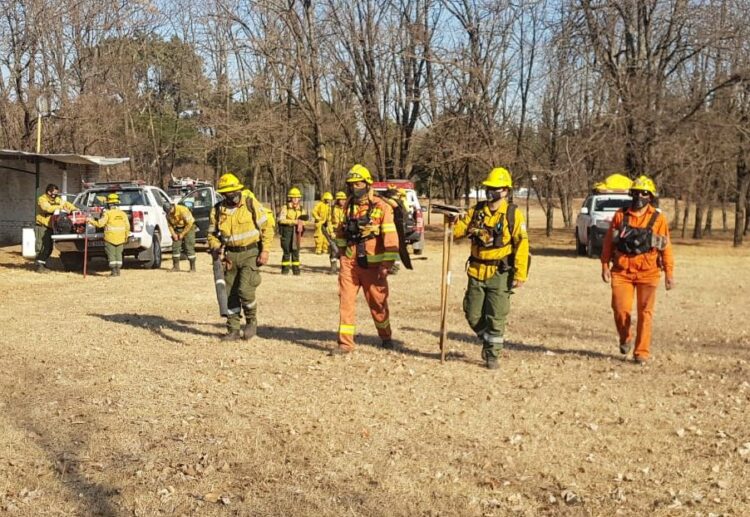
x: 498, y: 263
x: 291, y: 226
x: 239, y: 228
x: 182, y: 227
x: 47, y: 205
x: 636, y: 248
x: 116, y: 231
x: 322, y: 216
x: 368, y: 245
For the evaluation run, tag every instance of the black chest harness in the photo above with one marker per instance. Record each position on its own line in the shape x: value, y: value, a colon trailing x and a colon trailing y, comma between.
x: 354, y: 231
x: 491, y: 237
x: 636, y: 241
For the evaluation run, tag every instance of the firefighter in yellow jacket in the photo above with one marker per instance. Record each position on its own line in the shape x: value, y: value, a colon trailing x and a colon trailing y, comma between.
x: 116, y: 231
x: 291, y: 227
x: 322, y: 216
x: 182, y: 227
x: 239, y: 227
x: 498, y: 262
x: 47, y: 205
x: 337, y: 217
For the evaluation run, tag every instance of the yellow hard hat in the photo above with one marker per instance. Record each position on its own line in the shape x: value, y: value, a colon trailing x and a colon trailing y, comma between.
x: 402, y: 192
x: 359, y: 173
x: 113, y: 199
x: 294, y: 193
x: 497, y: 178
x: 644, y: 183
x: 327, y: 197
x: 229, y: 183
x: 341, y: 195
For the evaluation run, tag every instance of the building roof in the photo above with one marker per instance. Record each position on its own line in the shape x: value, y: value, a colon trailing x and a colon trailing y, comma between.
x: 78, y: 159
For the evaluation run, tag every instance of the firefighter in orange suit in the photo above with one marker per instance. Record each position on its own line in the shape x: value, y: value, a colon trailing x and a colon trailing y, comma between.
x: 116, y: 231
x: 636, y: 248
x: 47, y: 205
x: 322, y: 216
x: 368, y: 245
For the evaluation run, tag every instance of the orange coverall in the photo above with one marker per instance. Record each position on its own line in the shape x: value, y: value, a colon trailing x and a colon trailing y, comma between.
x: 636, y: 274
x: 382, y: 251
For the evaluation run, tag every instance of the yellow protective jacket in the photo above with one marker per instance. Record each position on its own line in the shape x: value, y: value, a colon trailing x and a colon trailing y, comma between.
x: 337, y: 217
x: 46, y: 207
x: 289, y: 215
x: 517, y: 239
x: 116, y: 226
x: 321, y: 213
x: 240, y: 226
x: 180, y: 221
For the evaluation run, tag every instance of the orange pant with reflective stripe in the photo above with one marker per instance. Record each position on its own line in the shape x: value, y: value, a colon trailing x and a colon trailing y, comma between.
x: 374, y: 283
x: 643, y: 285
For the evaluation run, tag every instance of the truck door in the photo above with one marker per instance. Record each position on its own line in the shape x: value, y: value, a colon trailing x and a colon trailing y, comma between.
x: 161, y: 198
x: 200, y: 202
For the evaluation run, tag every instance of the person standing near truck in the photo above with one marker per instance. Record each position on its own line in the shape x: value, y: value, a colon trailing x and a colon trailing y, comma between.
x: 498, y: 263
x: 239, y: 227
x: 636, y: 248
x: 291, y: 222
x: 182, y: 227
x: 116, y: 231
x: 47, y: 205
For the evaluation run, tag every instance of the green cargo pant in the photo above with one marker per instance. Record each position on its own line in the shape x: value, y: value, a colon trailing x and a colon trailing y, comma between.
x: 43, y: 243
x: 290, y: 255
x: 242, y: 280
x: 114, y: 254
x: 187, y: 244
x: 486, y: 306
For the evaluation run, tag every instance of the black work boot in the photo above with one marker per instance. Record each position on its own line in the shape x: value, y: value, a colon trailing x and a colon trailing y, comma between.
x: 41, y: 268
x: 251, y: 329
x: 232, y: 335
x: 625, y: 347
x: 175, y: 265
x: 490, y: 361
x: 284, y: 270
x: 192, y: 265
x: 295, y: 271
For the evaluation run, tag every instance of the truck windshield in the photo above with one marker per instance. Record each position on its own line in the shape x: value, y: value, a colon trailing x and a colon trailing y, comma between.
x: 611, y: 205
x: 127, y: 197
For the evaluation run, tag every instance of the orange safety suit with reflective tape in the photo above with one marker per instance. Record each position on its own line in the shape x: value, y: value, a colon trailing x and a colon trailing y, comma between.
x: 377, y: 246
x: 636, y: 275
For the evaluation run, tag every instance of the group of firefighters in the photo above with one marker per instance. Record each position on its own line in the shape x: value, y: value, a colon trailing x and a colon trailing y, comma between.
x: 357, y: 228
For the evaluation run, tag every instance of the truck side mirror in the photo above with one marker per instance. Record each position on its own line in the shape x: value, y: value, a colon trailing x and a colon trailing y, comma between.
x: 584, y: 210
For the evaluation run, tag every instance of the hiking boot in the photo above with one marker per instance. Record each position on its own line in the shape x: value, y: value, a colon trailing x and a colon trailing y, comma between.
x: 284, y: 270
x: 113, y: 272
x: 338, y: 351
x: 175, y: 266
x: 41, y: 268
x: 251, y: 329
x: 232, y: 335
x: 640, y: 360
x: 192, y: 265
x: 626, y: 347
x: 491, y: 362
x: 388, y: 344
x: 296, y: 271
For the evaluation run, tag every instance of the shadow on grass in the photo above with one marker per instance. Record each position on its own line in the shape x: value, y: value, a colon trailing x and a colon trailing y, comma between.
x: 522, y: 347
x: 156, y: 324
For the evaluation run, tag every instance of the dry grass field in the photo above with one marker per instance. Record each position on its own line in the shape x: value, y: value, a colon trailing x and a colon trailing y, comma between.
x: 116, y: 397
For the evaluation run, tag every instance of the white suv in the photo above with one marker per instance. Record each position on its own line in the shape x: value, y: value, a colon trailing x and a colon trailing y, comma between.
x: 593, y: 220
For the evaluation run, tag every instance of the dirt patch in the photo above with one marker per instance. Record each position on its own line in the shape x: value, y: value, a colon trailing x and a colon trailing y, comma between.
x: 116, y: 397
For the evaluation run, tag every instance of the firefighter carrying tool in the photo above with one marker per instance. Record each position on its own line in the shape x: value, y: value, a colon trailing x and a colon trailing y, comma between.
x: 369, y: 244
x: 182, y: 227
x: 239, y: 228
x: 291, y: 227
x: 116, y: 231
x: 637, y: 246
x: 498, y: 263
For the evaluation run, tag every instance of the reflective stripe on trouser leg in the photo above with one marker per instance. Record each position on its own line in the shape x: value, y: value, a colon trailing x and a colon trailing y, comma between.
x: 375, y: 287
x: 188, y: 244
x: 176, y: 250
x: 348, y: 288
x: 114, y: 254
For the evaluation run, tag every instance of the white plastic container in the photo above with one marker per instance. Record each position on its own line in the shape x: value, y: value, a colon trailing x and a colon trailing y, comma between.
x: 28, y: 243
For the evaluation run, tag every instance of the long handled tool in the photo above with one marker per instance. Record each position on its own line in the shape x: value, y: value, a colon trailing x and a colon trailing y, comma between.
x: 445, y: 284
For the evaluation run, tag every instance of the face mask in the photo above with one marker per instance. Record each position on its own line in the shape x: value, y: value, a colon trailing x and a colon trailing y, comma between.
x: 494, y: 195
x: 54, y: 195
x: 233, y: 198
x: 639, y: 201
x: 358, y: 193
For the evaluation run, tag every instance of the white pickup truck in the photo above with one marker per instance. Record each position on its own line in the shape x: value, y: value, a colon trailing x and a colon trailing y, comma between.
x: 149, y: 235
x: 593, y: 220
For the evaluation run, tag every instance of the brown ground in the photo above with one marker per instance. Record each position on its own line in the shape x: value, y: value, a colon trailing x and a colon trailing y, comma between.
x: 116, y: 397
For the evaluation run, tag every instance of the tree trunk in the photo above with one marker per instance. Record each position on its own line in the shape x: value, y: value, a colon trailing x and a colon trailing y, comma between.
x: 698, y: 226
x: 740, y: 214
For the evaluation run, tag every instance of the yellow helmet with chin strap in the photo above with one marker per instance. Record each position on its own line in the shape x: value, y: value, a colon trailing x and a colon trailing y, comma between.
x: 644, y: 183
x: 327, y: 197
x: 498, y: 177
x: 341, y: 195
x: 294, y: 193
x: 229, y: 183
x: 359, y: 173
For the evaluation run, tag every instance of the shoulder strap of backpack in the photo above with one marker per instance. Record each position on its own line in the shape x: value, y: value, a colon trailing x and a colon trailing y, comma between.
x: 510, y: 216
x: 651, y: 221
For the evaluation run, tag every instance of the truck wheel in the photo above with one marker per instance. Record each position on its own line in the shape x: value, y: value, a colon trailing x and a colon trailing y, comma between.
x: 591, y: 250
x: 580, y: 247
x: 154, y: 260
x: 71, y: 260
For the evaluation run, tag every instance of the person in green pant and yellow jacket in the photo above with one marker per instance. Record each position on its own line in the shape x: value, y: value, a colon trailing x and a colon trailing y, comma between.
x: 116, y: 231
x: 47, y: 205
x: 291, y: 222
x: 498, y: 263
x: 182, y: 227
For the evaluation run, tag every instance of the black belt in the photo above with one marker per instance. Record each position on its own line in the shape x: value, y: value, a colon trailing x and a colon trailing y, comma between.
x: 237, y: 249
x: 501, y: 263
